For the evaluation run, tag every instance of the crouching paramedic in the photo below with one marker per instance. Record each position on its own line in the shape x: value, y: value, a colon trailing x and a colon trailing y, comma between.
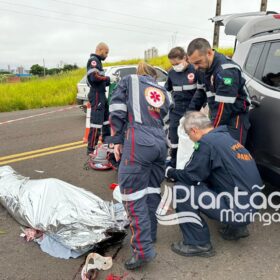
x: 221, y: 181
x: 97, y: 82
x: 182, y: 83
x: 137, y: 109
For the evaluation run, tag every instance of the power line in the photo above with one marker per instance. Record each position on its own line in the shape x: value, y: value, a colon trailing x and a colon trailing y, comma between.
x: 80, y: 22
x: 84, y: 17
x: 119, y: 13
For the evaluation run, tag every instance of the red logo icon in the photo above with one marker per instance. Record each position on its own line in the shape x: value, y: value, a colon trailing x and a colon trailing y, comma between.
x: 155, y: 96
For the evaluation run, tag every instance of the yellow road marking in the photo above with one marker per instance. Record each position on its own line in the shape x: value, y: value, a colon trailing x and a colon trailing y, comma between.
x: 40, y: 150
x: 42, y: 154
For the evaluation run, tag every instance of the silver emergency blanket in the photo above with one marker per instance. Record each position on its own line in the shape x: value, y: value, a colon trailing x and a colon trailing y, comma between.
x: 72, y: 216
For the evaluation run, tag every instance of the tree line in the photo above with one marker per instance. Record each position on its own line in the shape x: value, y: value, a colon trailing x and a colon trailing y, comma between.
x: 39, y: 70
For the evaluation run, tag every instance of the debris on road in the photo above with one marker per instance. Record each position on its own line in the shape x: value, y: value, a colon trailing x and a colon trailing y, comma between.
x: 95, y: 262
x: 39, y: 171
x: 72, y: 219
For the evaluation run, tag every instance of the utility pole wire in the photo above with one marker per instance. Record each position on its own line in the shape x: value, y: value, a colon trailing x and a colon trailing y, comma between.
x: 116, y: 12
x: 83, y: 17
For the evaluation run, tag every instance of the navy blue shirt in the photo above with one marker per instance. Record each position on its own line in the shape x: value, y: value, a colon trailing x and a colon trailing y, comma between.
x: 95, y: 75
x: 182, y: 85
x: 223, y: 87
x: 221, y: 162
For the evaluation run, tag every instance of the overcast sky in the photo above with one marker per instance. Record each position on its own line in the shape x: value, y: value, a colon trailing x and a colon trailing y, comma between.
x: 66, y: 31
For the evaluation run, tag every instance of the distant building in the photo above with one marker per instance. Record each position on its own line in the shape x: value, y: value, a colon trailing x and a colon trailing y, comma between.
x: 151, y: 53
x: 20, y: 70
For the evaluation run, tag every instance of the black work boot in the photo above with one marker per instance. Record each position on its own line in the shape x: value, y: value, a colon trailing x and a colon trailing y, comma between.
x: 234, y: 233
x: 135, y: 262
x: 192, y: 250
x: 111, y: 159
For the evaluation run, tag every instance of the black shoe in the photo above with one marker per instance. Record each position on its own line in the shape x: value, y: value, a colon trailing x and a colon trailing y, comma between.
x: 234, y: 233
x: 135, y: 262
x: 111, y: 159
x: 193, y: 250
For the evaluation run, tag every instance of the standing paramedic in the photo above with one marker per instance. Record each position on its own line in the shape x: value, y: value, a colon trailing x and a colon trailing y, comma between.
x: 137, y: 109
x: 221, y: 84
x: 97, y: 81
x: 182, y: 83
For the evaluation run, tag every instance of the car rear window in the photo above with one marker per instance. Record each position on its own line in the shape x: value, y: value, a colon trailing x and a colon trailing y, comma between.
x: 126, y: 71
x: 253, y: 58
x: 161, y: 76
x: 271, y: 73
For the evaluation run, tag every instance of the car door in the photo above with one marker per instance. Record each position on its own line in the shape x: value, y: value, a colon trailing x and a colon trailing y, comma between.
x: 82, y: 91
x: 264, y: 88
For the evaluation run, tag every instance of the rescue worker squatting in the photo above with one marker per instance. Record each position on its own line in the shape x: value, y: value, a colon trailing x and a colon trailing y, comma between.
x: 218, y: 165
x: 137, y: 109
x: 221, y: 84
x: 181, y: 82
x: 97, y: 81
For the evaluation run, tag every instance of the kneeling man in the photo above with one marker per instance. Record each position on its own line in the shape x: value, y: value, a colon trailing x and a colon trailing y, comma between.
x: 220, y: 180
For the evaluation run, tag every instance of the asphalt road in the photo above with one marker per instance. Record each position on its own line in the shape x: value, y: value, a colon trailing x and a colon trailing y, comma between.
x: 256, y: 257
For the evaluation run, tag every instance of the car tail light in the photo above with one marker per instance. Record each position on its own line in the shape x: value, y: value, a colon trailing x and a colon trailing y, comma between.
x: 277, y: 16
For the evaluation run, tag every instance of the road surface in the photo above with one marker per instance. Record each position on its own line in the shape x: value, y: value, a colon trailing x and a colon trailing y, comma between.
x: 59, y: 132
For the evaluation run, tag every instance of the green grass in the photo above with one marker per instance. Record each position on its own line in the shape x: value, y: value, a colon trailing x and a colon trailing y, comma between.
x: 162, y: 61
x: 132, y: 61
x: 60, y: 89
x: 41, y: 92
x: 226, y: 51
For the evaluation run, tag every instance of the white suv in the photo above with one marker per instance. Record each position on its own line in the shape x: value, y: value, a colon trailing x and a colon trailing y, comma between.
x: 258, y: 53
x: 121, y: 71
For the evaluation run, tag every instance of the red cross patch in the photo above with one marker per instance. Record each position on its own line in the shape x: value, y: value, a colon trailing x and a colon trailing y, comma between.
x: 155, y: 97
x: 93, y: 63
x: 191, y: 77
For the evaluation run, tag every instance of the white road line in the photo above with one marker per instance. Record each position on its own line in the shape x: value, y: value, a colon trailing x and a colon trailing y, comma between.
x: 37, y: 115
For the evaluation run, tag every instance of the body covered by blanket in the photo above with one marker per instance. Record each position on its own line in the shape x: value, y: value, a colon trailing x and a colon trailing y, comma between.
x: 72, y: 216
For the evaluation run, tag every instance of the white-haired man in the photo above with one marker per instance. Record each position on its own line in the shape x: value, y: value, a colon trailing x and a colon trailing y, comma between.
x: 220, y: 166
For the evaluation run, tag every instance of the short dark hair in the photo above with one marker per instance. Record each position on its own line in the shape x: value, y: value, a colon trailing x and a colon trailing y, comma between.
x: 177, y: 52
x: 198, y: 44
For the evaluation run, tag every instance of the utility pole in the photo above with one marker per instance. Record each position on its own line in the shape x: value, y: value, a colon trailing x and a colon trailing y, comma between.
x: 217, y: 27
x: 263, y: 5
